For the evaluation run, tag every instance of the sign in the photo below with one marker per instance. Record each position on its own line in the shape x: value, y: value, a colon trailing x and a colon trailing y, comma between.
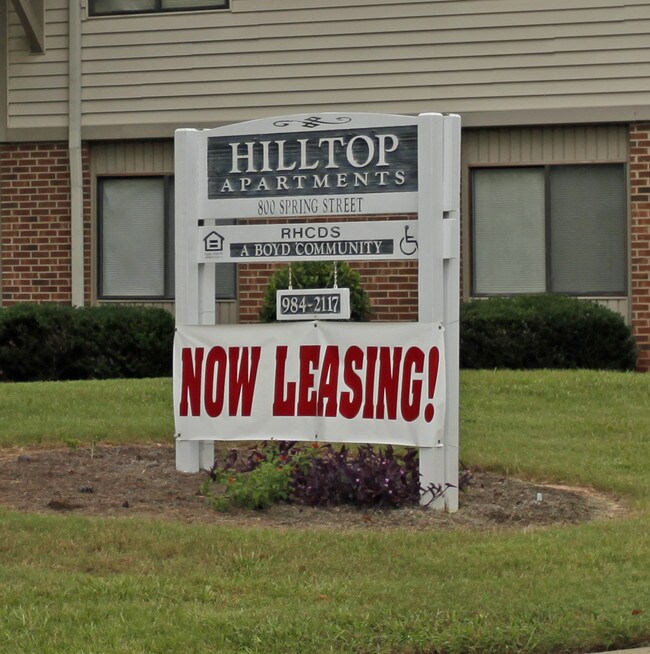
x: 326, y: 380
x: 289, y: 163
x: 313, y: 304
x: 309, y: 165
x: 350, y: 382
x: 346, y: 241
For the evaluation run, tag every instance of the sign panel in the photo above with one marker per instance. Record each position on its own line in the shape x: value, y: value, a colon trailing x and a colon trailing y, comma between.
x: 301, y: 164
x: 307, y: 165
x: 337, y: 382
x: 310, y: 165
x: 347, y: 241
x: 313, y: 304
x: 316, y: 205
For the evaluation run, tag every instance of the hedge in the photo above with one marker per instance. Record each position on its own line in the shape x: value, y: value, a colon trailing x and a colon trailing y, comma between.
x: 543, y: 331
x: 48, y: 342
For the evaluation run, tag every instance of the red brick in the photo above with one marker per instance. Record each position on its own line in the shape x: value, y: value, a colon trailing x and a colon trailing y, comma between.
x: 34, y: 186
x: 640, y: 241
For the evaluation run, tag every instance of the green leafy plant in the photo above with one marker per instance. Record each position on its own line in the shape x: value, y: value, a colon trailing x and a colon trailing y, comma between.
x: 318, y: 476
x: 265, y: 484
x: 317, y: 274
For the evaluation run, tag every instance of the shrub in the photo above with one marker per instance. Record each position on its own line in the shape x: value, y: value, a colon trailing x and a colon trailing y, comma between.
x: 543, y: 331
x: 364, y: 478
x: 318, y: 476
x: 266, y: 484
x: 317, y: 274
x: 48, y: 342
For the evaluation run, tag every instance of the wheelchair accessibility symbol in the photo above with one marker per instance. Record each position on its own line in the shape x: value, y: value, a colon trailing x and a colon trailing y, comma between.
x: 408, y: 245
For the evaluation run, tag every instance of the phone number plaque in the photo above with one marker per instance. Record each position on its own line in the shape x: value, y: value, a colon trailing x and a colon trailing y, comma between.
x: 313, y: 304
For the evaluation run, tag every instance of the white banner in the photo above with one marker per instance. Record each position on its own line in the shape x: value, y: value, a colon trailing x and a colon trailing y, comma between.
x: 333, y: 382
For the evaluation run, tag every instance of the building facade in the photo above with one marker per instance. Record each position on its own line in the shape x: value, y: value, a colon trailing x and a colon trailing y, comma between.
x: 554, y: 101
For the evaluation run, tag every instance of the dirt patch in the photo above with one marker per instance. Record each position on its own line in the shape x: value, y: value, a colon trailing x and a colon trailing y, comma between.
x: 141, y: 480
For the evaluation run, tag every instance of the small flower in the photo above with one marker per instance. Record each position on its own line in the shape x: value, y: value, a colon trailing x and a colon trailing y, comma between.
x: 315, y: 445
x: 231, y: 480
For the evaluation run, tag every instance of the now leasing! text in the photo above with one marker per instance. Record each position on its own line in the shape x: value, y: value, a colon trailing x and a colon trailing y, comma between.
x: 332, y: 381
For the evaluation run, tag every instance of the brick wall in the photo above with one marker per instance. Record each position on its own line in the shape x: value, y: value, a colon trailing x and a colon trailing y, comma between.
x: 35, y: 240
x: 640, y: 239
x: 35, y: 236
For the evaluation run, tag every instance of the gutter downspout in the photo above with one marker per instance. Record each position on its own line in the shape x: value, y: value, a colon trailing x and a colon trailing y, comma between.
x: 74, y: 153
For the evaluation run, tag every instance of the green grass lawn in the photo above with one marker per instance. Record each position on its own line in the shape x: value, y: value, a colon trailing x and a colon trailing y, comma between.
x: 124, y: 410
x: 82, y: 585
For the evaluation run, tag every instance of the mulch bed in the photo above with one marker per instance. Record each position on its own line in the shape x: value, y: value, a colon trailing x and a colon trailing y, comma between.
x: 141, y: 481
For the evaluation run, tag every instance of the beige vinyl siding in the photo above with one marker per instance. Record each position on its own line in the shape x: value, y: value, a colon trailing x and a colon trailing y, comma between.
x: 144, y: 75
x: 351, y: 56
x: 545, y: 145
x: 3, y: 78
x: 582, y: 144
x: 37, y: 84
x: 135, y: 158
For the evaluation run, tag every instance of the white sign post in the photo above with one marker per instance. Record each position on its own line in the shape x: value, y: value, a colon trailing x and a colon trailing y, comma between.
x: 368, y: 382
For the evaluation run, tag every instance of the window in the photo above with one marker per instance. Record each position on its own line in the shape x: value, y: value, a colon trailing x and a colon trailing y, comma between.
x: 107, y: 7
x: 549, y: 228
x: 136, y: 241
